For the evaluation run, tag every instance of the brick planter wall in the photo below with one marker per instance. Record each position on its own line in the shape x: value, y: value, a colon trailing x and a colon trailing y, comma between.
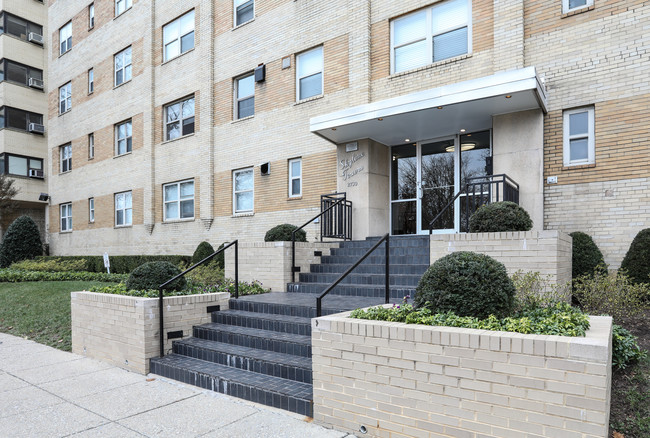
x: 547, y: 252
x: 124, y: 331
x: 399, y: 380
x: 270, y: 262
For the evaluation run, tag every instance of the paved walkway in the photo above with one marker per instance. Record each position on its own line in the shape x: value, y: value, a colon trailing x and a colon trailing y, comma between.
x: 46, y: 392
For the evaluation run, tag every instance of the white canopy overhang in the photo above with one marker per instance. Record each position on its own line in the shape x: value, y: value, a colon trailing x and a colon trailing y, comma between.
x: 436, y: 112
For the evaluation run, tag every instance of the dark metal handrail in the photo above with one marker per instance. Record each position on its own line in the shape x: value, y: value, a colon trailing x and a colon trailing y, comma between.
x: 336, y: 223
x: 510, y: 192
x: 341, y: 201
x: 386, y: 238
x: 210, y: 257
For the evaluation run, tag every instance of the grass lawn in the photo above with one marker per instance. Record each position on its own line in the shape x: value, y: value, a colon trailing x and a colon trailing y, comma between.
x: 40, y: 310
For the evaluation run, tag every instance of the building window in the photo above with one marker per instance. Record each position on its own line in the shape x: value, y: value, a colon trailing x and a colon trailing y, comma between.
x: 295, y: 177
x: 19, y: 119
x: 123, y: 66
x: 91, y: 16
x: 179, y: 119
x: 579, y: 144
x: 91, y: 146
x: 430, y: 35
x: 310, y: 73
x: 178, y: 36
x: 66, y: 217
x: 178, y: 200
x: 244, y: 11
x: 243, y: 190
x: 21, y: 165
x: 123, y: 209
x: 65, y: 98
x: 65, y: 153
x: 245, y: 96
x: 91, y: 210
x: 20, y: 74
x: 20, y: 28
x: 572, y: 5
x: 65, y: 38
x: 121, y: 6
x: 91, y: 81
x: 123, y: 138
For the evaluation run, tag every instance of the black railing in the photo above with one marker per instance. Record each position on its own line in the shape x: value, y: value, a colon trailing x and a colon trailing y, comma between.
x: 208, y: 258
x: 341, y: 222
x: 337, y: 222
x: 481, y: 190
x: 386, y: 237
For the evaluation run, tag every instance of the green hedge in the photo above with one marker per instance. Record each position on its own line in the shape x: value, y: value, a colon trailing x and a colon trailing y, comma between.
x: 122, y: 264
x: 17, y: 276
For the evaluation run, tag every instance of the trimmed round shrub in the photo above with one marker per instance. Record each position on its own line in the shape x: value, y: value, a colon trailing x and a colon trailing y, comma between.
x: 152, y: 274
x: 468, y: 284
x: 220, y: 259
x: 202, y: 251
x: 282, y: 233
x: 586, y: 256
x: 637, y: 259
x: 500, y: 216
x: 22, y: 241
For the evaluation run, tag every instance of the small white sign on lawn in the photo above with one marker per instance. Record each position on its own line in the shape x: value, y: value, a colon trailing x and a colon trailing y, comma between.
x: 107, y: 263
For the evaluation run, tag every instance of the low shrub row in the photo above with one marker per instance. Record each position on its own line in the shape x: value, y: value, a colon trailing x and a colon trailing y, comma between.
x: 252, y: 288
x: 119, y: 264
x: 16, y: 276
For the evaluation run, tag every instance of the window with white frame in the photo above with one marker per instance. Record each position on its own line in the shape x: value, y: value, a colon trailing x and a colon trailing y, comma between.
x: 65, y: 154
x: 243, y: 190
x: 123, y: 138
x: 579, y: 143
x: 123, y: 66
x: 66, y: 217
x: 121, y: 6
x: 178, y: 200
x: 65, y: 98
x: 178, y: 36
x: 123, y: 209
x: 309, y: 73
x: 91, y: 15
x: 65, y: 38
x: 91, y: 81
x: 91, y: 146
x: 245, y: 96
x: 179, y: 119
x: 573, y: 5
x: 295, y: 177
x: 91, y: 210
x: 430, y: 35
x: 244, y: 11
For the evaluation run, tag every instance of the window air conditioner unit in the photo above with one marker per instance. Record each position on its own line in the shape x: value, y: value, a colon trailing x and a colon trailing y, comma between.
x: 36, y: 83
x: 37, y: 128
x: 35, y: 173
x: 35, y: 38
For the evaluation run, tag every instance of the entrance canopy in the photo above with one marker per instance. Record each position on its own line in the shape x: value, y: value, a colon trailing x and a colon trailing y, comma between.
x: 436, y: 112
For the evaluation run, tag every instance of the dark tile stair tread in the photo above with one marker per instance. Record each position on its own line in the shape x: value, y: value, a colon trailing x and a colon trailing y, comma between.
x: 336, y: 303
x: 268, y: 316
x: 253, y: 353
x: 265, y: 382
x: 257, y: 333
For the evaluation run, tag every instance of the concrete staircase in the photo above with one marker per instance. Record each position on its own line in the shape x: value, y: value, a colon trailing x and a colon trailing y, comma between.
x: 260, y: 349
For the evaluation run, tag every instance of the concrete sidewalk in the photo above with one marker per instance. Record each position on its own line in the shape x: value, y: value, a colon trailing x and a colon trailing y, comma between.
x: 45, y: 392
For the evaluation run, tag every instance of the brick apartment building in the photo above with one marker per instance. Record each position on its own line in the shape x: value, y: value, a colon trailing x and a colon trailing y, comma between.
x: 23, y: 106
x: 174, y: 122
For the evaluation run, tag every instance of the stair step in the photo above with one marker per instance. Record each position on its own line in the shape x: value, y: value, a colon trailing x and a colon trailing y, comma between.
x: 354, y: 290
x: 367, y: 279
x: 378, y: 259
x: 381, y: 251
x: 395, y: 241
x: 260, y: 388
x: 287, y: 343
x: 337, y: 268
x: 286, y: 366
x: 277, y: 323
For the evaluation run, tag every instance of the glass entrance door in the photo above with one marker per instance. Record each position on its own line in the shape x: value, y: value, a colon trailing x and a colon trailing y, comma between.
x: 425, y: 177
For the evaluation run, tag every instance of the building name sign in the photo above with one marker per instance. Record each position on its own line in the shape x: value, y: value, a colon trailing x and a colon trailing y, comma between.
x: 349, y: 169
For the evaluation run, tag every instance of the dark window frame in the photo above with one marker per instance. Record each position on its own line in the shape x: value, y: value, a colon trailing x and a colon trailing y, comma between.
x: 29, y: 26
x: 5, y: 62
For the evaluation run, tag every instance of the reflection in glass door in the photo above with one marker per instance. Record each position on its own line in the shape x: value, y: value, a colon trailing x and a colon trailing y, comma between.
x: 404, y: 170
x: 437, y: 184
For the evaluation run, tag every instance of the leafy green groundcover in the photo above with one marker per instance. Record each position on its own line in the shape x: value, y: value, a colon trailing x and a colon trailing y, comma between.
x: 16, y: 276
x: 252, y: 288
x: 557, y: 319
